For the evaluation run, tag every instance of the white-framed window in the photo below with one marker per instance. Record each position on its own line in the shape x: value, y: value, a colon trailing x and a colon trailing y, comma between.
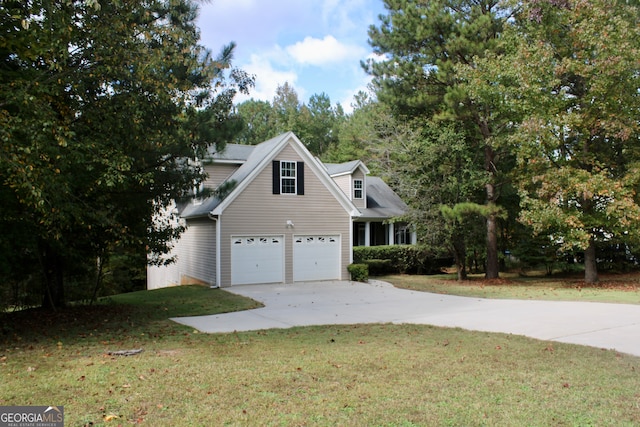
x: 402, y: 234
x: 288, y: 177
x: 357, y: 189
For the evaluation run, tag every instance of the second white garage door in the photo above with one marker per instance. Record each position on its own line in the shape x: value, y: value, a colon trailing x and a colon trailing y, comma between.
x: 316, y: 258
x: 257, y: 259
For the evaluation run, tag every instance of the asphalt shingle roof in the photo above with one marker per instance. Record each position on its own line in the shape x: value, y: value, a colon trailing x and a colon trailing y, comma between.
x: 382, y: 201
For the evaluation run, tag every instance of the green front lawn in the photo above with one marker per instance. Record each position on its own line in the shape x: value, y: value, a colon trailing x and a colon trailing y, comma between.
x: 378, y: 375
x: 618, y: 288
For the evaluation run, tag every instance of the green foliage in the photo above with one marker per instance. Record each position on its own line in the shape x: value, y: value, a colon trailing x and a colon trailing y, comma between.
x: 401, y: 258
x: 359, y: 272
x: 423, y: 44
x: 316, y: 123
x: 100, y: 103
x: 574, y: 67
x: 259, y: 122
x: 379, y: 267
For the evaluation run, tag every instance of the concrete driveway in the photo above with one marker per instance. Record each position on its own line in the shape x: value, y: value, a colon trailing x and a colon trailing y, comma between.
x: 608, y: 326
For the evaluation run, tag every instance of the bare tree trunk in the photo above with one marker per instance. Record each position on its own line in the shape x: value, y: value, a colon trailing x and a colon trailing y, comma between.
x: 98, y: 282
x: 492, y: 270
x: 53, y: 273
x: 460, y: 255
x: 590, y: 263
x: 493, y: 266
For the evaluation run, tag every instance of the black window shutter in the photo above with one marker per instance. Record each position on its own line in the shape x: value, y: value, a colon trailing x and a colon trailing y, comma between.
x: 276, y: 177
x: 300, y: 176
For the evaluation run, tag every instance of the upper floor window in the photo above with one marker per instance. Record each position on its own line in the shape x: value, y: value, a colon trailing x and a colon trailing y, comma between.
x: 357, y: 189
x: 288, y: 177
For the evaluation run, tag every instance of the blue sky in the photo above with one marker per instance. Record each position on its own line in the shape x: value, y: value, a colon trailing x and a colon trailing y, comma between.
x: 314, y: 45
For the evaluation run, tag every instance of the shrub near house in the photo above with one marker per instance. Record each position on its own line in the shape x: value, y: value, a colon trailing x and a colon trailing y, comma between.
x: 410, y: 259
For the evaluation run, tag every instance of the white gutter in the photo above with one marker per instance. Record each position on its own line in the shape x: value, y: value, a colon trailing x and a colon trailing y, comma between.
x: 217, y: 220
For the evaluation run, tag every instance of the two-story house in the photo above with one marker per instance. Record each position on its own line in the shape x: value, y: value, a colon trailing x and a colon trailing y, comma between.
x: 283, y: 217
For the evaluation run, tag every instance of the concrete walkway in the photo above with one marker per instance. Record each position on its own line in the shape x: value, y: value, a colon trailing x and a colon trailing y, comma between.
x: 608, y: 326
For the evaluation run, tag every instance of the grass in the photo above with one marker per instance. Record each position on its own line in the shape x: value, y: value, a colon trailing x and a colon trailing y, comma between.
x: 615, y: 288
x: 374, y: 375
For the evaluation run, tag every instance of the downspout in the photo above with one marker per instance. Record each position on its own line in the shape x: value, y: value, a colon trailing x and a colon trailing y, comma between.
x: 214, y: 218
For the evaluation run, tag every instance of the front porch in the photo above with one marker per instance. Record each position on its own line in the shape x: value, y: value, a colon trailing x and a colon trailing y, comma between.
x: 378, y: 233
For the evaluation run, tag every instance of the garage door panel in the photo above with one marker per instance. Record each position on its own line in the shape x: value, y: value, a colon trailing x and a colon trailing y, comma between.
x: 316, y: 257
x: 257, y: 259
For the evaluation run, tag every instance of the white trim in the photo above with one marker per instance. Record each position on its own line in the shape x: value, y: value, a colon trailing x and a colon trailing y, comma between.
x: 359, y: 164
x: 322, y: 174
x: 250, y: 177
x: 225, y: 161
x: 316, y: 167
x: 353, y: 183
x: 294, y: 178
x: 350, y: 228
x: 218, y: 253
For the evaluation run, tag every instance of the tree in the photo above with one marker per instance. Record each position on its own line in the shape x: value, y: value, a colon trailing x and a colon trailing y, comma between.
x: 316, y: 123
x: 358, y: 133
x: 100, y: 104
x: 577, y: 73
x: 433, y: 169
x: 421, y: 44
x: 259, y: 122
x: 322, y: 123
x: 286, y: 106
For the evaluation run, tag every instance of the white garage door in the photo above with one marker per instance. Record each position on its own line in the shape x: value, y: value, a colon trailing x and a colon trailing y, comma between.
x: 257, y: 259
x: 316, y: 258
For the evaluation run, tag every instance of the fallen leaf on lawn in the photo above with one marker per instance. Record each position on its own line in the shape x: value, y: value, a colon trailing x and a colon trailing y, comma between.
x: 110, y: 417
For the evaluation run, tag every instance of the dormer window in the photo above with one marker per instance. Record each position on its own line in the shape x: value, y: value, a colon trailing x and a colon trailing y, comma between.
x: 288, y: 177
x: 357, y: 189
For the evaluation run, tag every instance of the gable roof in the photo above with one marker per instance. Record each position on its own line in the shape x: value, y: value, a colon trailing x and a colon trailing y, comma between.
x: 253, y: 160
x: 382, y: 201
x: 337, y: 169
x: 232, y: 153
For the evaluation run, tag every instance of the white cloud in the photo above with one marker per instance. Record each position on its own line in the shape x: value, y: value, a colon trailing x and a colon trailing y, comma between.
x: 267, y: 79
x: 324, y: 51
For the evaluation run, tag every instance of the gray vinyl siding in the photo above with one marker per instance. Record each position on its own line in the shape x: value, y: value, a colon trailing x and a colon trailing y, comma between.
x: 195, y: 258
x: 217, y: 173
x: 197, y: 252
x: 256, y: 211
x: 344, y: 182
x: 360, y: 203
x: 163, y: 276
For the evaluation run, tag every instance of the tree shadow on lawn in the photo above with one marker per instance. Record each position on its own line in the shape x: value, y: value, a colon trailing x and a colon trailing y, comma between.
x: 118, y: 319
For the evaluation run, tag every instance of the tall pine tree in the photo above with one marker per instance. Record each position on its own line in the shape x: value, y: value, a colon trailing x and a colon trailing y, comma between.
x: 421, y: 43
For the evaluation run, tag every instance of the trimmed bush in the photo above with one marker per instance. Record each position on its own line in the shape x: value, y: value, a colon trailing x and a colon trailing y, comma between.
x: 378, y: 267
x: 410, y: 259
x: 359, y: 272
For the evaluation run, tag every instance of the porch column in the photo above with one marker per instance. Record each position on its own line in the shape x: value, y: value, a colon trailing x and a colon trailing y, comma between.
x: 414, y: 237
x: 367, y: 233
x: 391, y: 229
